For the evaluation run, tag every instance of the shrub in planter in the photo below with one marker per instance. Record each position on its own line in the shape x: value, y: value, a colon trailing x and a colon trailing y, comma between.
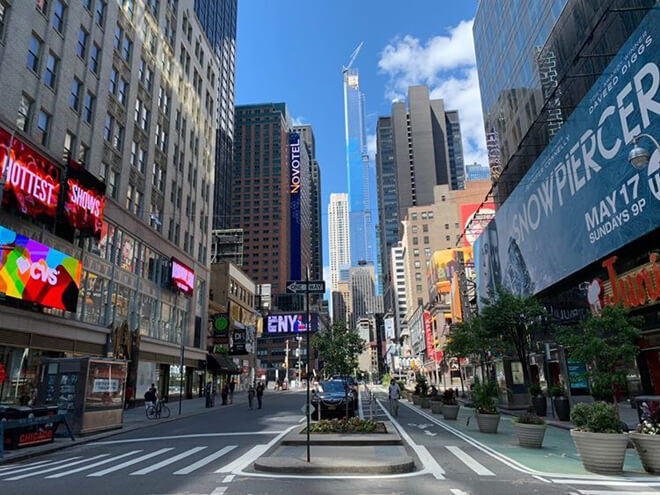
x: 560, y: 402
x: 647, y: 438
x: 450, y: 406
x: 483, y: 397
x: 530, y: 430
x: 599, y: 437
x: 538, y: 400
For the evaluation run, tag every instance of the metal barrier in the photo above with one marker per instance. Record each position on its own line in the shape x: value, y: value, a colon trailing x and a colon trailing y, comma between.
x: 22, y: 423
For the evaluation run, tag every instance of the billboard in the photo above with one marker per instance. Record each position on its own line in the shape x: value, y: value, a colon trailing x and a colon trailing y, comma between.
x: 84, y: 200
x: 290, y: 323
x: 428, y: 334
x: 444, y: 264
x: 474, y: 219
x: 32, y: 181
x: 34, y: 272
x: 389, y: 328
x: 295, y: 181
x: 581, y: 199
x: 183, y: 277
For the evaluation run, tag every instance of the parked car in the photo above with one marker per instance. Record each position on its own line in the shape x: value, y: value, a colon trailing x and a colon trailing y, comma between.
x: 331, y: 396
x: 352, y: 386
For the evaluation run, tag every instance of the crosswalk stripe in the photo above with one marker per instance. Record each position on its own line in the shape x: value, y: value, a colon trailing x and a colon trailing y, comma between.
x: 129, y: 463
x: 90, y: 466
x: 610, y: 492
x: 15, y: 471
x: 51, y: 469
x: 470, y: 462
x: 167, y: 462
x: 206, y: 460
x: 15, y: 466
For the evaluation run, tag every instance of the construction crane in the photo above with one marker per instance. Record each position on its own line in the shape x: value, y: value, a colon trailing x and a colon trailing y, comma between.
x: 344, y: 69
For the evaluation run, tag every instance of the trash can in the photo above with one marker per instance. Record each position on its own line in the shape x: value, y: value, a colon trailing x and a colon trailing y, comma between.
x: 28, y: 435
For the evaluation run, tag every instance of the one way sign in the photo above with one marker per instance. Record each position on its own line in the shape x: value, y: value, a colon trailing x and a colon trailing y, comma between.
x: 300, y: 286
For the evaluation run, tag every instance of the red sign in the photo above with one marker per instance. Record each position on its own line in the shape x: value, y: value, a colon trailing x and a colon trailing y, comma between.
x: 475, y: 219
x: 3, y: 374
x: 36, y: 437
x: 428, y: 334
x: 438, y: 356
x: 84, y: 200
x: 32, y: 181
x: 183, y: 277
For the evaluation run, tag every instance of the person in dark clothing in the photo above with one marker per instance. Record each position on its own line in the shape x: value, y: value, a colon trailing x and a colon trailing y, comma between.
x: 224, y: 393
x: 260, y: 393
x: 232, y: 386
x: 150, y: 396
x: 251, y: 393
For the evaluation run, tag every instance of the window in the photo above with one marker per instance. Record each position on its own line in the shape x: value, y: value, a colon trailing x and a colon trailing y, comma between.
x: 415, y: 252
x: 94, y: 58
x: 418, y: 277
x: 426, y: 239
x: 430, y: 214
x: 456, y: 225
x: 99, y: 15
x: 34, y: 52
x: 413, y: 216
x: 142, y: 160
x: 81, y: 47
x: 119, y: 34
x: 24, y: 112
x: 74, y: 99
x: 113, y: 81
x: 118, y: 139
x: 134, y: 147
x: 415, y: 229
x: 88, y: 110
x: 129, y: 198
x: 43, y: 125
x: 122, y: 94
x: 419, y: 289
x: 415, y: 241
x: 425, y: 228
x: 3, y: 18
x: 42, y: 6
x: 83, y: 153
x: 418, y: 264
x: 69, y: 143
x: 443, y: 198
x: 427, y: 252
x: 127, y: 49
x: 51, y: 70
x: 447, y: 238
x: 107, y: 128
x: 58, y: 16
x: 113, y: 183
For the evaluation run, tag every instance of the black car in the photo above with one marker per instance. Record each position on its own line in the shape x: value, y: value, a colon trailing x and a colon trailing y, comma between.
x: 352, y: 386
x: 331, y: 397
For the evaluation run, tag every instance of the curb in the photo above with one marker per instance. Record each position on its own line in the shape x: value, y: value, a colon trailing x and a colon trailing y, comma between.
x: 291, y: 465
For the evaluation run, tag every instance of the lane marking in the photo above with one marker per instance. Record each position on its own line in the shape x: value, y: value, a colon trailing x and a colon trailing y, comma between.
x: 37, y: 467
x: 206, y: 460
x: 612, y: 483
x: 129, y: 463
x: 609, y: 492
x: 301, y: 420
x: 196, y: 435
x: 229, y: 478
x: 167, y: 462
x: 100, y: 463
x: 51, y: 469
x: 540, y: 478
x: 427, y: 459
x: 219, y: 490
x: 238, y: 465
x: 470, y: 461
x: 456, y: 491
x: 16, y: 466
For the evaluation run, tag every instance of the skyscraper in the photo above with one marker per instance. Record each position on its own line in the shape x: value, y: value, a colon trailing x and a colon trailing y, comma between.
x: 338, y: 236
x: 218, y: 20
x: 363, y: 291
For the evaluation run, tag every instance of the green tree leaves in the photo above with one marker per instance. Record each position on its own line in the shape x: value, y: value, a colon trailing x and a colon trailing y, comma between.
x: 339, y: 348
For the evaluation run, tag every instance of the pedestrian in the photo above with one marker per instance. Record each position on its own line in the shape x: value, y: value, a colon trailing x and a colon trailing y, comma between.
x: 207, y: 393
x: 395, y: 395
x: 129, y: 396
x: 232, y: 386
x: 260, y: 394
x: 224, y: 393
x: 251, y: 393
x: 150, y: 397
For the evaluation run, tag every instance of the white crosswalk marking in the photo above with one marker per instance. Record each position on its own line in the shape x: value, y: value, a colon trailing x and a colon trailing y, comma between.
x: 206, y: 460
x: 37, y: 467
x: 167, y: 462
x: 610, y: 492
x: 51, y: 469
x: 129, y: 463
x: 470, y: 462
x: 90, y: 466
x: 456, y: 491
x: 15, y: 466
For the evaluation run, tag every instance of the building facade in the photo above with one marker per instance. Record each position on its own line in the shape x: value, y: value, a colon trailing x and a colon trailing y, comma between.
x: 474, y: 171
x: 338, y: 236
x: 397, y: 262
x: 341, y: 303
x: 362, y: 291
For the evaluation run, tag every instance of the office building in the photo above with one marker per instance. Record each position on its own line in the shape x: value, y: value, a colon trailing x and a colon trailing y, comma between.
x: 227, y: 245
x: 218, y: 20
x: 338, y: 236
x: 474, y: 171
x: 362, y: 291
x: 341, y: 303
x: 272, y: 195
x: 123, y: 91
x: 397, y: 262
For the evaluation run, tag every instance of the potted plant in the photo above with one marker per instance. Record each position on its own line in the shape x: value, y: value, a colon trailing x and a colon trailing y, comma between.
x: 483, y: 397
x: 538, y: 400
x: 647, y: 438
x: 421, y: 389
x: 599, y: 438
x: 435, y: 400
x: 560, y: 402
x: 530, y: 430
x: 449, y: 404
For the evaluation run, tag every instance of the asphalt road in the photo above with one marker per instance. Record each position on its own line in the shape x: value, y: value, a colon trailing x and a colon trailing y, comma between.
x: 208, y: 454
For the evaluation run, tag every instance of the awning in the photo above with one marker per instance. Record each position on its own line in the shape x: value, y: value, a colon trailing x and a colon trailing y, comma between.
x: 220, y: 362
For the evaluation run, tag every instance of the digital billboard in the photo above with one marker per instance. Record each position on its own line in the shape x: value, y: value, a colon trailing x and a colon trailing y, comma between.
x: 183, y: 277
x: 428, y: 334
x: 84, y: 200
x: 290, y: 323
x: 474, y: 219
x: 444, y: 264
x: 34, y: 272
x: 581, y: 199
x: 295, y: 182
x: 32, y: 182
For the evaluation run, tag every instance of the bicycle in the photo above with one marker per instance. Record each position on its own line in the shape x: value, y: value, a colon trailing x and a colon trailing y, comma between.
x: 158, y: 410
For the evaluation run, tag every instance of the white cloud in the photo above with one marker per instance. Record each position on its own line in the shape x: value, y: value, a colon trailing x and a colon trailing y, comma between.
x: 299, y: 120
x: 371, y: 146
x: 447, y: 65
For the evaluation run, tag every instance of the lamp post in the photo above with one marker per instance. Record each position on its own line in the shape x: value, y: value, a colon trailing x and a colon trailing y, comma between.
x: 639, y: 156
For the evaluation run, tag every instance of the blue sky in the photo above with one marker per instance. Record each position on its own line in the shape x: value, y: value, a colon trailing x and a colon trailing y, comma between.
x: 293, y: 51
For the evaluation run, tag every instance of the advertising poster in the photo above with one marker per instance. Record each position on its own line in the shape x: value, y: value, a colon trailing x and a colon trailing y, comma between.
x: 581, y: 199
x: 444, y: 264
x: 474, y: 220
x: 84, y: 200
x: 290, y: 323
x: 295, y: 178
x: 577, y: 375
x: 37, y: 273
x: 428, y: 334
x: 32, y: 184
x: 183, y: 277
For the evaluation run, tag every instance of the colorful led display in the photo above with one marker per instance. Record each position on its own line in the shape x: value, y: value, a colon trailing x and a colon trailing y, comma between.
x: 183, y: 277
x: 84, y: 200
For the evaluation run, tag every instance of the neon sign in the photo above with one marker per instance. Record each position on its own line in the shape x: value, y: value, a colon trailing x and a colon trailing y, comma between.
x: 183, y: 278
x: 84, y: 201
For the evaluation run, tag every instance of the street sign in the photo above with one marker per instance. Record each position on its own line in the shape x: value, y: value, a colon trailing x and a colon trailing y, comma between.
x: 301, y: 286
x: 307, y: 409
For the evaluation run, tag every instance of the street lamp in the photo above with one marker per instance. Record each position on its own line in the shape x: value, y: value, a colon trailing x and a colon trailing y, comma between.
x: 638, y: 156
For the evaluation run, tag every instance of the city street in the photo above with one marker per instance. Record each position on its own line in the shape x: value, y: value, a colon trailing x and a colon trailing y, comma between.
x: 211, y: 453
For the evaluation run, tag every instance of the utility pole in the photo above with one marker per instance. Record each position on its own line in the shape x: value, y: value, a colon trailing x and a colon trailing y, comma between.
x: 308, y: 329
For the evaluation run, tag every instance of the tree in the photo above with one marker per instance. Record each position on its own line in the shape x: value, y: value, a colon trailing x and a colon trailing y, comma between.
x: 468, y: 338
x: 606, y: 343
x: 339, y: 348
x: 517, y: 322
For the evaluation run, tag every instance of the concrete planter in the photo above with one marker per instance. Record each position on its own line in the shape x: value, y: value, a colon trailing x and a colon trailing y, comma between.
x: 417, y: 400
x: 530, y: 436
x: 648, y: 448
x: 450, y: 411
x: 436, y: 406
x: 488, y: 423
x: 425, y: 402
x: 601, y: 453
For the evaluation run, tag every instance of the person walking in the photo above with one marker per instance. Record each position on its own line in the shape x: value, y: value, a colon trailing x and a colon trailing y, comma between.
x: 395, y: 395
x: 232, y: 386
x: 207, y: 393
x: 251, y: 393
x: 224, y: 393
x: 260, y: 394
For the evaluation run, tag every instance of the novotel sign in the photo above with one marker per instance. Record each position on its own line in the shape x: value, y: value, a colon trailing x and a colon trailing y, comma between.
x: 294, y: 149
x: 290, y: 323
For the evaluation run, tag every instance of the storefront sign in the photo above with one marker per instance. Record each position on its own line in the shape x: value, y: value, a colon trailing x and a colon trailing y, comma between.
x: 577, y: 375
x: 3, y: 374
x: 290, y: 323
x: 238, y: 342
x: 582, y: 200
x: 34, y: 272
x: 102, y: 385
x: 295, y: 178
x: 475, y: 218
x: 32, y: 182
x: 183, y: 277
x: 84, y: 200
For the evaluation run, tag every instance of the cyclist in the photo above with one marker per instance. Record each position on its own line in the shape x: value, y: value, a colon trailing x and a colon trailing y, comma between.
x: 150, y: 397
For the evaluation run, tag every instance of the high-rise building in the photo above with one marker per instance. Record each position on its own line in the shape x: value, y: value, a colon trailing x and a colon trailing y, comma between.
x: 218, y: 20
x: 397, y: 262
x: 341, y: 303
x: 359, y: 173
x: 227, y: 245
x: 363, y: 291
x: 272, y: 200
x: 103, y: 87
x: 474, y: 171
x: 338, y: 236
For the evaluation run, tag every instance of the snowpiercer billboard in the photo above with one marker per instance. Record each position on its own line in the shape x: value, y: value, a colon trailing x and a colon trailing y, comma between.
x: 581, y: 199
